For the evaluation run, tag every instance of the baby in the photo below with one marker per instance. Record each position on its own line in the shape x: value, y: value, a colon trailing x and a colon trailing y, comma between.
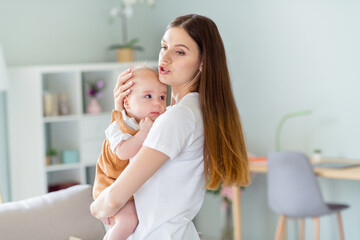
x: 146, y: 101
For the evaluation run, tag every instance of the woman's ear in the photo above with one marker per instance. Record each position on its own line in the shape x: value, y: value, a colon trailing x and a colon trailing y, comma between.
x: 200, y: 68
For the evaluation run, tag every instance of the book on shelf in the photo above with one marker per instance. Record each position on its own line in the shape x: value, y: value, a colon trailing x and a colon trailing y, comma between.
x: 258, y: 161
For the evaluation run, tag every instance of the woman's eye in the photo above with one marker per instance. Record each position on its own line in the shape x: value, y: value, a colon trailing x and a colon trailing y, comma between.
x: 180, y: 52
x: 148, y: 96
x: 163, y: 48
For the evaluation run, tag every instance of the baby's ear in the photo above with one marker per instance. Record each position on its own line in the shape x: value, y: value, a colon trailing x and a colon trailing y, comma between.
x: 126, y: 103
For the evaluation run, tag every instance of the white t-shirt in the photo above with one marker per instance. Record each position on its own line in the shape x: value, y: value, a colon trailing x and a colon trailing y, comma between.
x: 171, y: 198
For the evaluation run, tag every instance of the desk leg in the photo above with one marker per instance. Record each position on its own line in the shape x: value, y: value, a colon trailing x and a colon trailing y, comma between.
x: 236, y: 208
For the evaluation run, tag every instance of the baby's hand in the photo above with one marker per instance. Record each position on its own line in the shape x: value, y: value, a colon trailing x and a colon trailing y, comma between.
x: 108, y: 221
x: 105, y: 221
x: 146, y: 124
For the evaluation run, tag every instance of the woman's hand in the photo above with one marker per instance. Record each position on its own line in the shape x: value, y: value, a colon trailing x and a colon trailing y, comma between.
x: 121, y: 90
x: 103, y: 208
x: 146, y: 162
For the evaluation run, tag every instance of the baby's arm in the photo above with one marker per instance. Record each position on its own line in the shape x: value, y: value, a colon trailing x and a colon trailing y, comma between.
x: 127, y: 149
x: 113, y: 198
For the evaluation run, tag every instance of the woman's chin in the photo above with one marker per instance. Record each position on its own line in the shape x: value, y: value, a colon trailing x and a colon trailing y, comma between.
x: 164, y: 79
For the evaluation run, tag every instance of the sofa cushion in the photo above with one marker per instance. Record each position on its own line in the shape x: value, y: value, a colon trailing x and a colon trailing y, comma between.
x: 55, y: 215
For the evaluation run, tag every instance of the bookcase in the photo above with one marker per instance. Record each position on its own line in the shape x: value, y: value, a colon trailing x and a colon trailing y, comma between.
x: 33, y: 132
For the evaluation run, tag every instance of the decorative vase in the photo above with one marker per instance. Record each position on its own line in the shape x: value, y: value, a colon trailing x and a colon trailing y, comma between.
x: 93, y: 107
x: 228, y: 229
x: 50, y: 104
x: 316, y: 157
x: 54, y: 160
x: 125, y: 54
x: 64, y: 105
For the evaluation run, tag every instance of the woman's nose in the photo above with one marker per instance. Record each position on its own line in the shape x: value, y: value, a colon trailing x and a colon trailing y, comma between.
x: 165, y: 57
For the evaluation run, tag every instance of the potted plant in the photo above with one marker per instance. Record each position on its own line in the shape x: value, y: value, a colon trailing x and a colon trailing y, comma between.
x: 125, y: 50
x: 51, y: 157
x: 95, y: 92
x: 317, y: 154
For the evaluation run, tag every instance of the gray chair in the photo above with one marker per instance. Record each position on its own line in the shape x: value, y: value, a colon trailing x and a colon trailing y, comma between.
x: 294, y: 192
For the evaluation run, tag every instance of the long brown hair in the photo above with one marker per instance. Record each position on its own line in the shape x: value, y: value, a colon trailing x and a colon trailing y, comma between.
x: 225, y: 153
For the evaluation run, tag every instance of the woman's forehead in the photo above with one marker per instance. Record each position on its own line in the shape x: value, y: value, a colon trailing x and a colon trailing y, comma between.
x: 178, y: 36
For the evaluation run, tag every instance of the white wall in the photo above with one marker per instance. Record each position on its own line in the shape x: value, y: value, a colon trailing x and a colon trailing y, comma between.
x: 56, y: 32
x: 4, y: 165
x: 286, y: 56
x: 283, y: 56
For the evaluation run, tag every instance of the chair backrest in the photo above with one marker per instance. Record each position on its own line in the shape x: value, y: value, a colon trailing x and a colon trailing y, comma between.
x: 293, y: 189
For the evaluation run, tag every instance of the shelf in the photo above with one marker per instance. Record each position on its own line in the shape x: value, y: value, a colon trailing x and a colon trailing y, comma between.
x: 109, y: 78
x: 99, y: 115
x: 90, y: 165
x: 51, y: 90
x: 61, y: 167
x: 61, y: 136
x: 64, y: 118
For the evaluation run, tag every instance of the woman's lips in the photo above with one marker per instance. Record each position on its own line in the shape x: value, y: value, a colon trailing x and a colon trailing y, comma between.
x: 163, y: 70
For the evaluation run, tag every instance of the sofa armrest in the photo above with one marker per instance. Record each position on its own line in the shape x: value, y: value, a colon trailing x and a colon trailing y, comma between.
x: 55, y: 215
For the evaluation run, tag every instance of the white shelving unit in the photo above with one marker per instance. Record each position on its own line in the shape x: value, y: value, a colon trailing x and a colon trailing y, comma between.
x: 31, y: 134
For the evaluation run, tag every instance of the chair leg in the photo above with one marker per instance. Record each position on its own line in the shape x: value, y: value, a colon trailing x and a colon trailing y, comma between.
x: 302, y: 229
x: 283, y: 235
x: 280, y: 227
x: 317, y: 227
x: 341, y: 229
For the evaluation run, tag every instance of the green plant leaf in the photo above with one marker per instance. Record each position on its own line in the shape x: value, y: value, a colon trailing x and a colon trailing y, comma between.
x: 52, y: 152
x: 132, y: 42
x: 129, y: 44
x: 138, y: 48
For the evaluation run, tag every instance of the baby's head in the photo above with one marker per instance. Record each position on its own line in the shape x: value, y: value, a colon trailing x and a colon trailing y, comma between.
x: 148, y: 95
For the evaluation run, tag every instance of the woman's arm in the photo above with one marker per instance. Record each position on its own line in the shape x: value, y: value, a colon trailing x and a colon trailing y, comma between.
x: 141, y: 168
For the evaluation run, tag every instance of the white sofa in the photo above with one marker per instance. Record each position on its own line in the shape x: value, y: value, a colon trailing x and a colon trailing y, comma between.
x: 56, y: 216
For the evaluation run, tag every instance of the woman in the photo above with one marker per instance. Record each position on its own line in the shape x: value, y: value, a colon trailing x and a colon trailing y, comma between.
x: 197, y: 143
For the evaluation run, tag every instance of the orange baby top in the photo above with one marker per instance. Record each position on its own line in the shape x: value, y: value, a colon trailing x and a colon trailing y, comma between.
x: 109, y: 166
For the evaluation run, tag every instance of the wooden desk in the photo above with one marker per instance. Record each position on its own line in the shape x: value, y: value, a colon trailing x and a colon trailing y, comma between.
x: 352, y: 173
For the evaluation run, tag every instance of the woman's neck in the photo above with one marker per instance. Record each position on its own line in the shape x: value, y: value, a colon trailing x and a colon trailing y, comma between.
x: 176, y: 96
x: 177, y: 93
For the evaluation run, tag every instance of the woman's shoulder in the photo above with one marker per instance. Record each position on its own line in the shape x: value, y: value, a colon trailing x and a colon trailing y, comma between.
x: 189, y: 103
x: 190, y: 98
x: 178, y: 112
